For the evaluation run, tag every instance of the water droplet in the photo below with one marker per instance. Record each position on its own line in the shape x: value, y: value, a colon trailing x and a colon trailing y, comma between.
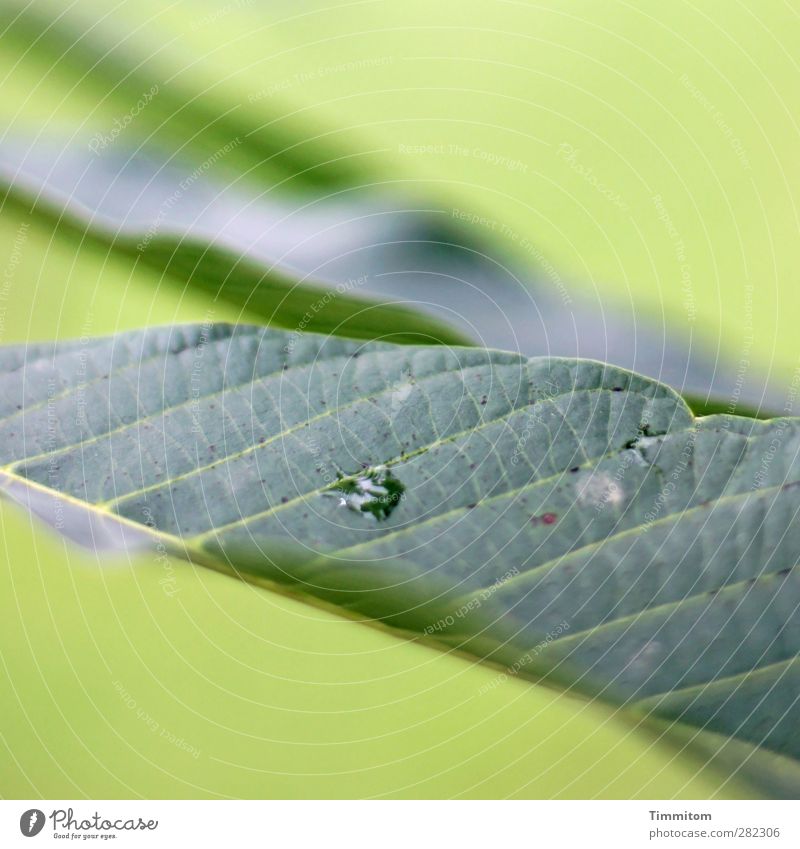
x: 375, y: 491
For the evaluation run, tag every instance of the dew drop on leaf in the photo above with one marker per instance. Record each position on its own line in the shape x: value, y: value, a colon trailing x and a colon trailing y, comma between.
x: 375, y: 491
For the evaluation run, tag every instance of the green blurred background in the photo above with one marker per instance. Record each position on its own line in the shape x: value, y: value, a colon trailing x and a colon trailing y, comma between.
x: 647, y: 151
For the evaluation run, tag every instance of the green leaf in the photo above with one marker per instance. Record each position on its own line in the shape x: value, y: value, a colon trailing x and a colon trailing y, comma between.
x: 565, y: 518
x: 112, y: 90
x: 270, y: 255
x: 188, y: 133
x: 264, y: 291
x: 549, y: 128
x: 220, y: 103
x: 153, y: 680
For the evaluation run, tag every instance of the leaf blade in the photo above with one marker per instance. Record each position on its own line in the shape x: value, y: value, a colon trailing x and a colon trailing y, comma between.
x: 612, y: 471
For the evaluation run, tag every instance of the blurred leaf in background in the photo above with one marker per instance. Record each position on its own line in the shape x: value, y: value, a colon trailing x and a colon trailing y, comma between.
x: 627, y: 164
x: 624, y: 173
